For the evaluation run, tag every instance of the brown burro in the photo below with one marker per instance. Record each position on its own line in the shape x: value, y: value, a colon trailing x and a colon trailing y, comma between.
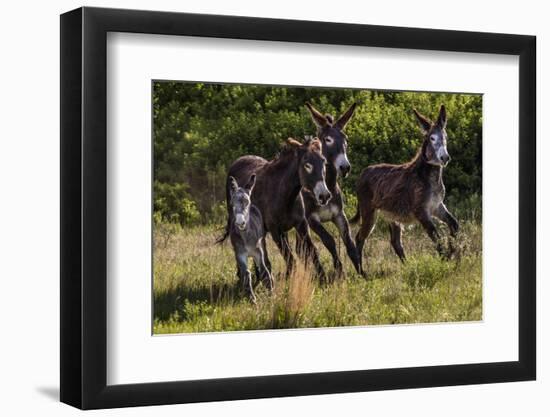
x: 277, y: 195
x: 410, y: 192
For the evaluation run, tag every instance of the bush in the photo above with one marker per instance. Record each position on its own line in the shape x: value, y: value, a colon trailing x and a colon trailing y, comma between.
x: 171, y: 204
x: 200, y: 129
x: 467, y: 207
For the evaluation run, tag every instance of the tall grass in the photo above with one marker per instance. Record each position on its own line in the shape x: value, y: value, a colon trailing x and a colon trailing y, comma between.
x: 291, y: 298
x: 195, y: 285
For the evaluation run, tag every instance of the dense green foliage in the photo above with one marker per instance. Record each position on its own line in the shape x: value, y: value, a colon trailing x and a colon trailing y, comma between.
x: 200, y: 129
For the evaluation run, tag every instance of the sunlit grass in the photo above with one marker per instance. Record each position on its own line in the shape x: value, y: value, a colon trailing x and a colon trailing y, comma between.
x: 195, y: 285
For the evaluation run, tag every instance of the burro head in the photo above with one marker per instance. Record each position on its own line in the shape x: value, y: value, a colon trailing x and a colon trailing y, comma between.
x: 434, y: 147
x: 311, y: 168
x: 332, y: 136
x: 240, y: 201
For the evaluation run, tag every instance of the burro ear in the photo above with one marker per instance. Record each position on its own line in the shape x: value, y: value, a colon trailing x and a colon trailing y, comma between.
x: 233, y: 186
x: 315, y: 145
x: 293, y: 143
x: 442, y: 118
x: 346, y: 117
x: 425, y: 123
x: 319, y: 120
x: 250, y: 184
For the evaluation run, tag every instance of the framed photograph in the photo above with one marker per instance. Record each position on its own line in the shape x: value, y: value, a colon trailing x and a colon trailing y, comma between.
x: 257, y: 208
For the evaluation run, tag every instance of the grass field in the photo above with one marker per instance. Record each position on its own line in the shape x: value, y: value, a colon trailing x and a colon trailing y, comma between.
x: 195, y: 285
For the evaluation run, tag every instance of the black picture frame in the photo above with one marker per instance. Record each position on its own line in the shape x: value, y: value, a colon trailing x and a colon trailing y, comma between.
x: 84, y: 207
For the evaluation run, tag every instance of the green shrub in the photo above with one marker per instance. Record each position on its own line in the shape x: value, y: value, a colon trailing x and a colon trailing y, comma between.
x: 171, y: 204
x: 200, y: 129
x: 466, y: 207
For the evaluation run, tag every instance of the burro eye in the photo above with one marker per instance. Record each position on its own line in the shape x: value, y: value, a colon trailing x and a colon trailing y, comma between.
x: 308, y: 167
x: 329, y: 140
x: 433, y: 138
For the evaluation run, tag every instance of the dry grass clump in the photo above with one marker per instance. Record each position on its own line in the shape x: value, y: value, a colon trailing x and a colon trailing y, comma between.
x: 292, y: 297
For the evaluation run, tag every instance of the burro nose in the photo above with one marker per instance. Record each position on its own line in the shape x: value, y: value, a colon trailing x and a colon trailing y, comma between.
x: 321, y: 192
x: 239, y: 221
x: 345, y: 170
x: 324, y: 197
x: 342, y: 164
x: 445, y: 159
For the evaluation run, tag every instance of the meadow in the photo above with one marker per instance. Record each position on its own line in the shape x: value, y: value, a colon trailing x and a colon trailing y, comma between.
x: 200, y: 129
x: 196, y: 288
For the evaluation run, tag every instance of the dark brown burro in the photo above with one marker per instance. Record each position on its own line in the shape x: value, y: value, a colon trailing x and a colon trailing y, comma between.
x: 410, y: 192
x: 335, y: 143
x: 277, y: 195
